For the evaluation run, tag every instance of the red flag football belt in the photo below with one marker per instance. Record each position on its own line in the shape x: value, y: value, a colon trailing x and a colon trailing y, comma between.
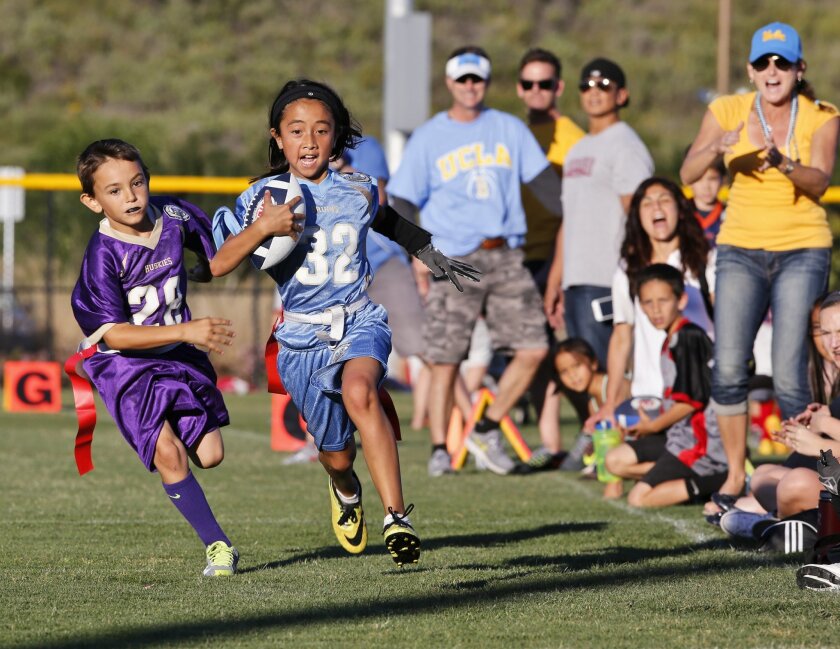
x: 85, y: 409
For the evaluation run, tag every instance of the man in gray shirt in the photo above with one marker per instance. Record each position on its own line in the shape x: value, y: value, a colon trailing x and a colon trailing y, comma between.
x: 601, y: 172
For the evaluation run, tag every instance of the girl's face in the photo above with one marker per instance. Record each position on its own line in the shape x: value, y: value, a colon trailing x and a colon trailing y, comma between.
x: 658, y: 213
x: 575, y: 371
x: 818, y: 334
x: 306, y: 137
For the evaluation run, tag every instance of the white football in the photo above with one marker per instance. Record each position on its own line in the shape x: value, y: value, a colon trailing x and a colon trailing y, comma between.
x: 273, y: 250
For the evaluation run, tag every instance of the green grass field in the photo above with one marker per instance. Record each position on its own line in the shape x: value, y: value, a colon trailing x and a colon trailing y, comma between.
x: 537, y: 561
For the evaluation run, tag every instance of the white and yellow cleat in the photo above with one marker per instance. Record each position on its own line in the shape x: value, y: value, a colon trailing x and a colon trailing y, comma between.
x: 348, y: 521
x: 221, y: 560
x: 400, y: 538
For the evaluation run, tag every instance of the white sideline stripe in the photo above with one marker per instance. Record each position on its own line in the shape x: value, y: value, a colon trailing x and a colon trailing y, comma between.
x: 243, y: 432
x: 682, y: 527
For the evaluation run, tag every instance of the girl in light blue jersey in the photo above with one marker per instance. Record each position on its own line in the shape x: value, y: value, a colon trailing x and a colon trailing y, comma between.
x: 334, y: 342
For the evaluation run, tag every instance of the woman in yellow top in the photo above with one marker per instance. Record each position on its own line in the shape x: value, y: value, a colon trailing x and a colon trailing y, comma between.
x: 774, y: 249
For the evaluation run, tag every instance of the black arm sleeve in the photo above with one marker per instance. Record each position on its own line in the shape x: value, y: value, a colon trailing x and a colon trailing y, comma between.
x: 547, y: 187
x: 404, y: 232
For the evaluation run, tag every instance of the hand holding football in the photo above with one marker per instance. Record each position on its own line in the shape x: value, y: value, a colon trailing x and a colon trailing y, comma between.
x: 282, y: 210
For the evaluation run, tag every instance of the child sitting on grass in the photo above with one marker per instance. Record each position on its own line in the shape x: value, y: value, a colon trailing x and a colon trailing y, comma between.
x: 694, y: 464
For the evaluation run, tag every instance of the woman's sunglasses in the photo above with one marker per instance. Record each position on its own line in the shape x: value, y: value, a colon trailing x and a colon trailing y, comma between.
x: 781, y: 63
x: 543, y: 84
x: 601, y: 84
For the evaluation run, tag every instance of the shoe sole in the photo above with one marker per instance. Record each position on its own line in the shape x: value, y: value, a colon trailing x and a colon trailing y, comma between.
x: 813, y: 577
x: 403, y: 547
x: 479, y: 452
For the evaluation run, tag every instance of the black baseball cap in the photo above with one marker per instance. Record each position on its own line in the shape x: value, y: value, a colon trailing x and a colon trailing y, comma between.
x: 603, y: 69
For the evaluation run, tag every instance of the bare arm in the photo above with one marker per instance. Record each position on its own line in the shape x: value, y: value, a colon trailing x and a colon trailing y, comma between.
x: 711, y: 142
x: 618, y: 358
x: 647, y: 426
x: 815, y: 178
x: 276, y: 220
x: 211, y: 333
x: 553, y: 298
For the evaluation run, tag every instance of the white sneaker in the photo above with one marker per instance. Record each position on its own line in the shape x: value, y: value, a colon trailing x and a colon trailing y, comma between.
x: 488, y: 447
x: 739, y: 523
x: 308, y: 453
x: 439, y: 464
x: 814, y: 576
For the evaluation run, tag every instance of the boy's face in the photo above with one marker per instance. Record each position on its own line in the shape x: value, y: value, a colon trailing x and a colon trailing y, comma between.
x: 121, y: 192
x: 706, y: 189
x: 660, y: 303
x: 599, y: 98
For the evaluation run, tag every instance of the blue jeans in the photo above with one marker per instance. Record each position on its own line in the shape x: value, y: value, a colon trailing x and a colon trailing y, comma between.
x: 580, y: 321
x: 748, y: 281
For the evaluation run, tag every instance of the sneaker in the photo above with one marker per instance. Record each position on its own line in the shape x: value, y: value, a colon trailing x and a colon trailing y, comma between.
x: 440, y: 463
x: 308, y: 453
x: 819, y: 577
x: 829, y: 471
x: 348, y: 521
x: 400, y: 538
x: 488, y: 447
x: 574, y: 461
x: 221, y: 560
x: 541, y: 459
x: 742, y: 524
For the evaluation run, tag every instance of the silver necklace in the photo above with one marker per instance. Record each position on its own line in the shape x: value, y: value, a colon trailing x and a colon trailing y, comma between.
x: 767, y: 130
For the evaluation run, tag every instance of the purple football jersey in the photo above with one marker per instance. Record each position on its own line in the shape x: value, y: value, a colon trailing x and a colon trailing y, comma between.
x: 139, y: 280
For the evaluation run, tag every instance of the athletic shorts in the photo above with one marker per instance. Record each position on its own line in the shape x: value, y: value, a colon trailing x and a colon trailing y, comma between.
x: 143, y: 391
x: 648, y: 448
x: 669, y: 467
x: 507, y: 296
x: 311, y: 374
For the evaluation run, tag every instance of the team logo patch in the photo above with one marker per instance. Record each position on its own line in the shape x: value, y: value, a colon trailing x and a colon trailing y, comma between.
x: 175, y: 212
x: 356, y: 177
x: 339, y: 352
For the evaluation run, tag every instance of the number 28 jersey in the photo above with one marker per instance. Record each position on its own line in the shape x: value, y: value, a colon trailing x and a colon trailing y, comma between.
x: 329, y: 266
x: 140, y: 280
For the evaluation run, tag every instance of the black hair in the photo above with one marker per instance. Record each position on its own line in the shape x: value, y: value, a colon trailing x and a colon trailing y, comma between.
x: 97, y: 153
x: 537, y: 54
x: 662, y: 273
x: 637, y: 250
x: 817, y: 365
x: 576, y: 346
x: 347, y: 130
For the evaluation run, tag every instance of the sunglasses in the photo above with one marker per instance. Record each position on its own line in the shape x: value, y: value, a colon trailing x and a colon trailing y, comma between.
x: 601, y: 84
x: 469, y: 77
x: 781, y: 63
x: 543, y: 84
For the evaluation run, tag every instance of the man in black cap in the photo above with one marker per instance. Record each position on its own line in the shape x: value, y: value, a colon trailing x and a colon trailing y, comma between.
x: 601, y: 172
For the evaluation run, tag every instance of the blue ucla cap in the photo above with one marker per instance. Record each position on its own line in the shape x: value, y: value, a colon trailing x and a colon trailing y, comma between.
x: 779, y: 39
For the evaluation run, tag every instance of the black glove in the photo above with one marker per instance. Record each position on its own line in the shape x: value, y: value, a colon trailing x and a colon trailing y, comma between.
x: 829, y: 471
x: 442, y: 266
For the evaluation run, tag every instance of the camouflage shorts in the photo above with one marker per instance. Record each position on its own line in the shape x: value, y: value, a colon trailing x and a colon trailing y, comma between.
x: 506, y: 295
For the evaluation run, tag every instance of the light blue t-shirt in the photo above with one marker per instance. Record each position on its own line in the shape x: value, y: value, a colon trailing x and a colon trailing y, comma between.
x: 369, y: 158
x: 465, y: 177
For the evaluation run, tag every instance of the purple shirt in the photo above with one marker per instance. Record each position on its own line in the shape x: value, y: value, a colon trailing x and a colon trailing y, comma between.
x: 126, y: 278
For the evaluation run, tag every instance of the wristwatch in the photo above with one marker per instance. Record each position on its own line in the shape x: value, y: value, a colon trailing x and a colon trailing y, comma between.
x: 787, y: 168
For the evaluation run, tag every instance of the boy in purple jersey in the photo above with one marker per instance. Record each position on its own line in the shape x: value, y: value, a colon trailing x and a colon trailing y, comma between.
x: 334, y: 342
x: 148, y: 368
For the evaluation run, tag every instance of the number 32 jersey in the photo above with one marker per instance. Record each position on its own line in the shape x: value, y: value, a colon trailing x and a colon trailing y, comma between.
x: 140, y: 280
x: 329, y: 266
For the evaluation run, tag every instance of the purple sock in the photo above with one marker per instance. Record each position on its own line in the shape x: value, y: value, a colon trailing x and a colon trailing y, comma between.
x: 188, y: 497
